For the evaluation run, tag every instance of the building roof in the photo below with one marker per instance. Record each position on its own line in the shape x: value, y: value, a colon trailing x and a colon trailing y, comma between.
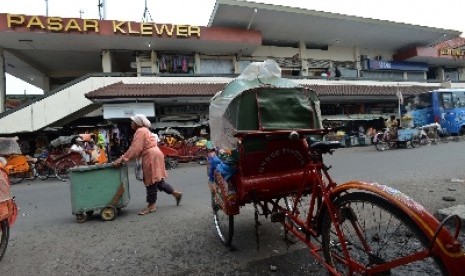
x: 158, y: 90
x: 289, y: 25
x: 234, y: 27
x: 125, y: 90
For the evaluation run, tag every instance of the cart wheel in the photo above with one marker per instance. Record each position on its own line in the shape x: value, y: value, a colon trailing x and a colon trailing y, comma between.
x: 108, y: 213
x: 81, y: 218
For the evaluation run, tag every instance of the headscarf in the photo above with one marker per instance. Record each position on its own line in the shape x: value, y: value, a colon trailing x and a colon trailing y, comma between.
x: 3, y: 162
x: 141, y: 120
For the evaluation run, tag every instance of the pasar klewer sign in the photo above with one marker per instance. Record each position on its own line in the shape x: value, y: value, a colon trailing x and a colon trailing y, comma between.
x: 75, y: 25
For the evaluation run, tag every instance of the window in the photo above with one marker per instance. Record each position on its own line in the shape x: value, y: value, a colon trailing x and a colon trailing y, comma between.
x: 446, y: 100
x: 458, y: 99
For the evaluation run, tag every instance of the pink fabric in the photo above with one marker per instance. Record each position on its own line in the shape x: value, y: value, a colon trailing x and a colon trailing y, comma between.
x: 153, y: 161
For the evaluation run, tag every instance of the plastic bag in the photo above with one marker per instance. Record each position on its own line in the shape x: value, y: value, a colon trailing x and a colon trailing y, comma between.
x: 138, y: 169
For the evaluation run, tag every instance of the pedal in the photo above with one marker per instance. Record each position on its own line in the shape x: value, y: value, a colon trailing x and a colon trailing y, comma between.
x: 277, y: 217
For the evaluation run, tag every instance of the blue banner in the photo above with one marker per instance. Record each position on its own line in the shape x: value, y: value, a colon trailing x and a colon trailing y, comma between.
x: 397, y: 65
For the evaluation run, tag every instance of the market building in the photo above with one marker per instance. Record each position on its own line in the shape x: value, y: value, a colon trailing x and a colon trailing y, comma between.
x: 92, y: 70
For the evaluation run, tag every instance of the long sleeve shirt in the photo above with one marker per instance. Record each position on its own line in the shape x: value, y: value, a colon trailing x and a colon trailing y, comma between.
x: 144, y: 146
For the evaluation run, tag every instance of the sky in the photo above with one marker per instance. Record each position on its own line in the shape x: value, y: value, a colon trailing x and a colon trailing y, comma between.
x: 441, y: 14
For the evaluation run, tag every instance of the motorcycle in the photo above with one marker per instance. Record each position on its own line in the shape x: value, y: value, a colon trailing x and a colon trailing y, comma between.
x: 19, y: 167
x: 403, y: 137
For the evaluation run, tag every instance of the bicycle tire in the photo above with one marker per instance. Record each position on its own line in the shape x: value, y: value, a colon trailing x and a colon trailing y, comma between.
x: 62, y: 168
x: 381, y: 145
x: 416, y: 141
x: 298, y: 206
x: 16, y: 178
x: 224, y: 224
x: 43, y: 170
x: 4, y: 236
x: 381, y: 234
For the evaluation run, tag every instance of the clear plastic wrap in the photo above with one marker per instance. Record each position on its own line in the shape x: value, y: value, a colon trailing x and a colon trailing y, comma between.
x: 9, y: 146
x: 236, y: 108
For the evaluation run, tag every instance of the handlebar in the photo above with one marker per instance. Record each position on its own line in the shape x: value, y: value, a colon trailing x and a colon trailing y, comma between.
x: 324, y: 146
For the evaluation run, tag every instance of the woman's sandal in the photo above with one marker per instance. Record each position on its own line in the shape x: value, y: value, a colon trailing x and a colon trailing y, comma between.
x: 147, y: 210
x: 178, y: 197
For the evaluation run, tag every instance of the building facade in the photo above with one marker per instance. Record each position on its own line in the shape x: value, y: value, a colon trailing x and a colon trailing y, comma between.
x: 112, y: 69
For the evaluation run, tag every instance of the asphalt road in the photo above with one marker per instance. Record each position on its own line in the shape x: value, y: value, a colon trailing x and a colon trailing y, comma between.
x: 47, y: 240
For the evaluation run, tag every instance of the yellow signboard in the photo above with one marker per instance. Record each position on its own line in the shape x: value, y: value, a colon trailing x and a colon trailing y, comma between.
x: 66, y: 25
x: 452, y: 52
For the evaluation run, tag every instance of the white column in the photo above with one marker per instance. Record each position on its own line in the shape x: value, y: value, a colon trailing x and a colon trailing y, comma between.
x: 303, y: 59
x: 106, y: 61
x: 235, y: 65
x: 154, y: 60
x: 197, y: 63
x: 461, y: 74
x: 358, y: 64
x: 46, y: 84
x: 2, y: 82
x: 440, y: 74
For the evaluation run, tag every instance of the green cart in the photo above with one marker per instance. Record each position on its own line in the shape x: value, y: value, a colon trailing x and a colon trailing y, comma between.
x: 101, y: 188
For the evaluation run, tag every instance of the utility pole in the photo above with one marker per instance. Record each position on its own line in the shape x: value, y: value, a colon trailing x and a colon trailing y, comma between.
x: 46, y: 8
x: 81, y: 12
x: 102, y: 9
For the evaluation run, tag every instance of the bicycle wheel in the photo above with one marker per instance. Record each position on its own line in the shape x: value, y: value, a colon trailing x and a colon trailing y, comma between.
x: 298, y: 206
x: 385, y: 229
x: 43, y: 170
x: 16, y: 178
x: 381, y: 145
x: 62, y: 168
x: 224, y: 224
x: 33, y: 171
x: 416, y: 141
x: 4, y: 235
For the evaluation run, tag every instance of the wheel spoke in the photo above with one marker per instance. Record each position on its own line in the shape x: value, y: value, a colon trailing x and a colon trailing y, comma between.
x: 224, y: 224
x: 387, y: 235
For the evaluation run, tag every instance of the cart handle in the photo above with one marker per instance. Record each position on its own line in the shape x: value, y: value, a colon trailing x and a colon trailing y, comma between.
x: 118, y: 195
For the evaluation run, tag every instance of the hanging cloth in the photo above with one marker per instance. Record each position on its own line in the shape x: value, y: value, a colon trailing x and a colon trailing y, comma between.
x: 163, y: 64
x: 184, y: 64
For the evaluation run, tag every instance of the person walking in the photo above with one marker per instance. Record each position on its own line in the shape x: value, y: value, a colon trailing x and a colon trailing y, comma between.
x: 391, y: 126
x: 77, y: 145
x: 144, y: 146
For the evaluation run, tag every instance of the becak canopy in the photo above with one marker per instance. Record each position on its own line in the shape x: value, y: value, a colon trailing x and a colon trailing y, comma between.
x: 259, y: 99
x: 9, y: 146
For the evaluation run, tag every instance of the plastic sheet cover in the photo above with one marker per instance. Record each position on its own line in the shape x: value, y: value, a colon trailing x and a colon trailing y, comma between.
x: 235, y: 108
x: 9, y: 146
x: 62, y: 141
